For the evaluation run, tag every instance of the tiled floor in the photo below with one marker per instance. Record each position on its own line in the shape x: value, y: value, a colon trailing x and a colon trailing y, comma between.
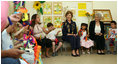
x: 83, y: 59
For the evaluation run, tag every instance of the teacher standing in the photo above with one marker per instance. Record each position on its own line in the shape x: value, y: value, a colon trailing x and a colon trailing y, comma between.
x: 69, y: 31
x: 96, y: 32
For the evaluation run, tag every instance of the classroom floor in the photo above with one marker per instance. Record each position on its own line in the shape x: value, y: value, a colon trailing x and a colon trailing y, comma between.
x: 83, y: 59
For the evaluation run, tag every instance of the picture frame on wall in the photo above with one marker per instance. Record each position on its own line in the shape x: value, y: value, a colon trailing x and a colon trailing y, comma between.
x: 57, y: 21
x: 106, y: 13
x: 46, y: 20
x: 47, y: 8
x: 57, y: 8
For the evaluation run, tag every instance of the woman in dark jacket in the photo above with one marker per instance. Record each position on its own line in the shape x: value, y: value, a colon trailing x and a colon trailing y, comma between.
x: 70, y: 33
x: 96, y: 32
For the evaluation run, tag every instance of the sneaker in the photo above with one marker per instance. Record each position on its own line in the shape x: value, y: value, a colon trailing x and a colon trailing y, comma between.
x: 56, y: 54
x: 108, y: 52
x: 114, y: 53
x: 83, y: 53
x: 88, y: 52
x: 53, y: 54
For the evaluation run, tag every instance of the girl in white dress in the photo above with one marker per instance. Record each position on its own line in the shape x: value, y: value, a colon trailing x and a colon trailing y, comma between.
x: 85, y: 41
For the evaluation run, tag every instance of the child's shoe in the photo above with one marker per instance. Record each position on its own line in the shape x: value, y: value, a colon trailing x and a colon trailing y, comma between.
x: 88, y: 52
x: 108, y: 52
x: 114, y: 53
x: 53, y: 54
x: 83, y: 52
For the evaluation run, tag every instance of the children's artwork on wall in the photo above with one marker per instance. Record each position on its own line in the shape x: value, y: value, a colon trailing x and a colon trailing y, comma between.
x: 81, y: 5
x: 57, y: 7
x: 106, y: 14
x: 57, y: 21
x: 81, y: 13
x: 46, y: 19
x: 47, y: 8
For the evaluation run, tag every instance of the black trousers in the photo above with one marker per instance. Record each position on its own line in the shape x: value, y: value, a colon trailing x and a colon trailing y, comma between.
x: 45, y: 43
x: 74, y: 41
x: 100, y: 42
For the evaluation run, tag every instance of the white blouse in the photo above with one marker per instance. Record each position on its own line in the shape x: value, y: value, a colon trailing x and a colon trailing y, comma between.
x: 84, y: 34
x: 38, y: 31
x: 97, y: 29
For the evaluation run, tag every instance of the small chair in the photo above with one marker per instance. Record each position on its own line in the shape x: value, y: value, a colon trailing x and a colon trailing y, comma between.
x: 65, y: 45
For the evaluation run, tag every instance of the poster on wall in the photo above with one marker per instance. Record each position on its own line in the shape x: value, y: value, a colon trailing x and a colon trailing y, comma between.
x: 57, y: 7
x: 46, y: 20
x: 47, y: 8
x: 81, y: 5
x: 57, y: 21
x: 81, y: 13
x: 105, y: 13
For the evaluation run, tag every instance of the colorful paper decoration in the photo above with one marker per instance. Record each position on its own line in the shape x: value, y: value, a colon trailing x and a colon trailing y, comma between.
x: 46, y: 20
x: 81, y: 5
x: 57, y: 21
x: 24, y: 11
x: 57, y: 7
x: 18, y: 3
x: 37, y: 49
x: 82, y: 13
x: 47, y: 8
x: 37, y: 6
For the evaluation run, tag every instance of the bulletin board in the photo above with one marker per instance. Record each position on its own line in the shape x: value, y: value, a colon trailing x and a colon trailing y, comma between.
x: 74, y: 6
x: 85, y: 6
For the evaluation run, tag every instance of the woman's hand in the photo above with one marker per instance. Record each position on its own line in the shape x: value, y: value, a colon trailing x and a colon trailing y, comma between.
x: 97, y: 34
x: 71, y: 34
x: 75, y: 35
x: 100, y: 34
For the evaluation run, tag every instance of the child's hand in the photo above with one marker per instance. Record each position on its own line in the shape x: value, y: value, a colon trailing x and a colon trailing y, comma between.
x: 18, y: 46
x: 26, y: 27
x: 14, y: 53
x: 15, y: 17
x: 87, y: 35
x: 59, y: 31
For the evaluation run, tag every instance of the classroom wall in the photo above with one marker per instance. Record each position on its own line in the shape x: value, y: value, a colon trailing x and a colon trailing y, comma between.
x: 112, y: 5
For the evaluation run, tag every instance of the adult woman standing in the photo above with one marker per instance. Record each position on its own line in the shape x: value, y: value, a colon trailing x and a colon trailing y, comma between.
x: 96, y: 32
x: 70, y: 33
x: 40, y: 33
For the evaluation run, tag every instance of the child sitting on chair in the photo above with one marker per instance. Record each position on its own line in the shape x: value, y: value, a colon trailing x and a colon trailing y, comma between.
x: 112, y: 37
x: 52, y: 36
x: 85, y: 42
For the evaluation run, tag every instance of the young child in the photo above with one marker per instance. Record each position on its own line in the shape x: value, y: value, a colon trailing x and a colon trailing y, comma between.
x: 52, y: 36
x: 112, y: 37
x: 85, y: 42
